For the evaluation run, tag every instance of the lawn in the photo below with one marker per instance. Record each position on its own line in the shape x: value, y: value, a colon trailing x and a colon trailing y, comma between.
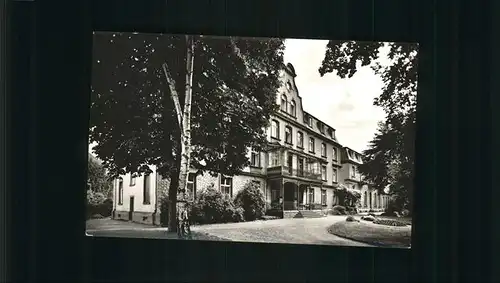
x: 380, y: 235
x: 406, y: 220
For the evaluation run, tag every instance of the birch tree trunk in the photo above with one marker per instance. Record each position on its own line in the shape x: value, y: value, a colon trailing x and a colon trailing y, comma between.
x: 186, y: 133
x: 184, y: 121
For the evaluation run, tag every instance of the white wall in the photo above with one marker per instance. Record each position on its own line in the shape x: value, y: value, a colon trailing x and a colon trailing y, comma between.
x: 137, y: 192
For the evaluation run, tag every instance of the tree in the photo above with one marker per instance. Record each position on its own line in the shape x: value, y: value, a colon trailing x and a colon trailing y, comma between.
x: 141, y: 105
x: 97, y: 177
x: 390, y: 157
x: 346, y: 195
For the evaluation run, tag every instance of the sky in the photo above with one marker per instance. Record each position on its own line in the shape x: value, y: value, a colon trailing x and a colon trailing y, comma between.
x: 344, y: 104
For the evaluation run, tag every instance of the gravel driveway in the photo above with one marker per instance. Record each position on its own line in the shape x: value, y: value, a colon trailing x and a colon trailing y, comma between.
x: 313, y: 231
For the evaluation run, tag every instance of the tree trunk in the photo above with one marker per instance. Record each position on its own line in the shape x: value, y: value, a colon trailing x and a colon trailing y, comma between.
x: 178, y: 183
x: 186, y: 123
x: 172, y: 202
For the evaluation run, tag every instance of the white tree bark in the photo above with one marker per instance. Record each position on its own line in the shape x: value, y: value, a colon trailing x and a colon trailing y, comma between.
x: 184, y: 121
x: 186, y: 115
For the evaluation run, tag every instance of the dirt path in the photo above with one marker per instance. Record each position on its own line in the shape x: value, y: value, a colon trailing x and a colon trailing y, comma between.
x: 292, y: 231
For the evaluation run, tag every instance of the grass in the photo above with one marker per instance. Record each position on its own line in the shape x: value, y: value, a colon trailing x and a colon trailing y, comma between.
x: 379, y: 235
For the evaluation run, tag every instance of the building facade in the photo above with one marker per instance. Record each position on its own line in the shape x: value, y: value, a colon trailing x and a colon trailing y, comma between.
x: 300, y: 169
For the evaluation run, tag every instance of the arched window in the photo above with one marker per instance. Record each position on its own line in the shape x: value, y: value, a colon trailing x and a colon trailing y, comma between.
x: 292, y: 108
x: 283, y: 103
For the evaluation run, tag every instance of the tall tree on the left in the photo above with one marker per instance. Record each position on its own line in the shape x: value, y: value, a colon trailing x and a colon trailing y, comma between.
x: 97, y: 178
x: 181, y: 102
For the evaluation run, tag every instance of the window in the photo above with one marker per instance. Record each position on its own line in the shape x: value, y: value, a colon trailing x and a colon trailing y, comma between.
x: 288, y: 134
x: 288, y: 86
x: 300, y: 139
x: 323, y: 149
x: 120, y: 191
x: 132, y: 180
x: 311, y: 195
x: 334, y: 154
x: 334, y: 175
x: 146, y: 197
x: 323, y: 197
x: 323, y: 172
x: 191, y: 185
x: 292, y: 108
x: 283, y: 103
x: 311, y: 144
x: 289, y: 162
x: 353, y: 171
x: 275, y: 129
x: 226, y: 186
x: 300, y: 166
x: 255, y: 159
x: 321, y: 127
x: 309, y: 121
x: 274, y: 158
x: 365, y: 199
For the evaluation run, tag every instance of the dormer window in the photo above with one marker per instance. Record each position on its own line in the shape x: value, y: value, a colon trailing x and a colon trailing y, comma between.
x: 321, y: 127
x: 283, y: 103
x: 309, y: 120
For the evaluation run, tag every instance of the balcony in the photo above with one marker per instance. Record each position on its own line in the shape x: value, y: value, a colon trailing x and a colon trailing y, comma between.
x: 288, y: 171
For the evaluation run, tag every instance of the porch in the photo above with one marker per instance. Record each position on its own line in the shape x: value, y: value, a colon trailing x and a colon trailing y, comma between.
x: 293, y: 196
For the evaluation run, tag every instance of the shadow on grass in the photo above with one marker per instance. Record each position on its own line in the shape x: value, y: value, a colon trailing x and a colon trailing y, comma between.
x: 379, y: 235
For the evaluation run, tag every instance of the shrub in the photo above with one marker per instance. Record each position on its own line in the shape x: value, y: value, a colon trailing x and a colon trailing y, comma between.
x: 252, y: 201
x: 351, y: 210
x: 391, y: 214
x: 389, y: 222
x: 405, y: 212
x: 368, y: 218
x: 95, y: 198
x: 97, y: 216
x: 98, y: 205
x: 350, y: 218
x: 211, y: 206
x: 339, y: 210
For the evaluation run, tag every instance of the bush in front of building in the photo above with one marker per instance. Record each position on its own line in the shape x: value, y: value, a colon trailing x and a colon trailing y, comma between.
x: 351, y: 218
x: 352, y: 210
x: 389, y: 222
x: 211, y: 206
x: 252, y: 201
x: 98, y: 204
x: 338, y: 210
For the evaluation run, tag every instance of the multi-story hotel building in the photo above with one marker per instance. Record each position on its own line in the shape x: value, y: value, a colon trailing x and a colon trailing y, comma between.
x: 300, y: 169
